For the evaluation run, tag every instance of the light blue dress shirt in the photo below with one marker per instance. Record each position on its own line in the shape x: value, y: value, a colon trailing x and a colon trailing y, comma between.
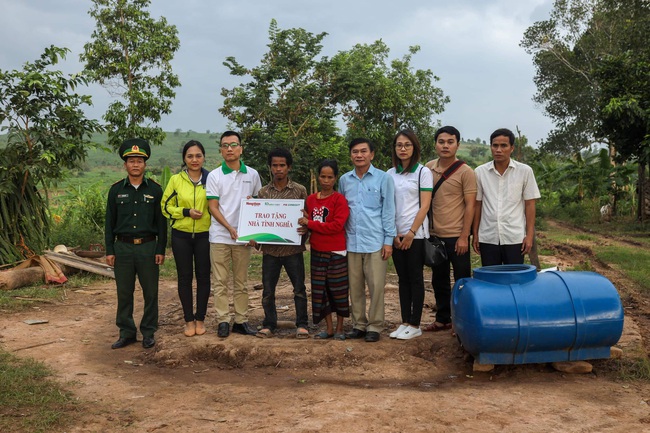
x: 371, y: 224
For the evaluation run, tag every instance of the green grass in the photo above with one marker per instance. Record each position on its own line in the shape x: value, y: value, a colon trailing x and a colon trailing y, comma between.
x: 633, y: 369
x: 30, y: 400
x: 27, y: 297
x: 634, y: 262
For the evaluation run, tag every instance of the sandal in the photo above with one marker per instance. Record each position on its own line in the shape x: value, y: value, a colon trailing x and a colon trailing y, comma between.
x: 339, y: 337
x: 437, y: 327
x: 264, y: 333
x: 302, y: 333
x: 323, y: 335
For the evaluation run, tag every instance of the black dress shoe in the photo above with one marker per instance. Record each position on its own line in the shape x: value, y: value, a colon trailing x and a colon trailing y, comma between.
x: 148, y: 342
x: 223, y: 330
x: 244, y: 328
x: 355, y: 334
x: 372, y: 337
x: 123, y: 342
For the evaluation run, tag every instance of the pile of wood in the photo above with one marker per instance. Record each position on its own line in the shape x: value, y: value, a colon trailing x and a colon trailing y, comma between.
x: 40, y: 269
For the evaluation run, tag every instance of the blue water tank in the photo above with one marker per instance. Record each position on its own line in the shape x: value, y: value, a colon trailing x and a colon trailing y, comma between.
x: 510, y: 314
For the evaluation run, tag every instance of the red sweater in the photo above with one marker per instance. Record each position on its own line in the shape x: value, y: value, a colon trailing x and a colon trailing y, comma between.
x: 327, y: 217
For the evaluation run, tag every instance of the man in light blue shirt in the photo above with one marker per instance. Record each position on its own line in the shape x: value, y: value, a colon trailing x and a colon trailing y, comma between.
x: 370, y: 231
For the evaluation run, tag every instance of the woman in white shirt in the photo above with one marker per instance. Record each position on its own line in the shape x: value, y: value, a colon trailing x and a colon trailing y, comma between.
x: 413, y: 187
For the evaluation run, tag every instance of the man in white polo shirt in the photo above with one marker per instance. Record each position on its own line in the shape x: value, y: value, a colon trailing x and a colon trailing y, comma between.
x: 504, y: 215
x: 226, y: 186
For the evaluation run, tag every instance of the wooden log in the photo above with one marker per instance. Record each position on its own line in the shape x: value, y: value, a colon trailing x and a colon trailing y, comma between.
x: 16, y: 278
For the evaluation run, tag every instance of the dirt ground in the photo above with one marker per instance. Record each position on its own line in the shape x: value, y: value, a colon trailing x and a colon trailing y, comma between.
x: 244, y: 384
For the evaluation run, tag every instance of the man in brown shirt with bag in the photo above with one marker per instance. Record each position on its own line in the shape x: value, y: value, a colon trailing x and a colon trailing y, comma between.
x: 453, y: 212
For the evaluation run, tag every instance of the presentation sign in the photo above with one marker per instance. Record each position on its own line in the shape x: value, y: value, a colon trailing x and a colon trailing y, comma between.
x: 270, y: 221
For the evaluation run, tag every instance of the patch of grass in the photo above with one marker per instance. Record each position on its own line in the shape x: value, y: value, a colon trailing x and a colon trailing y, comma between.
x: 26, y: 297
x: 30, y: 401
x: 635, y: 262
x: 633, y: 369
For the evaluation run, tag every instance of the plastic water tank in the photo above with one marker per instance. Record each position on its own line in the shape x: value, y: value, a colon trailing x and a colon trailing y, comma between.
x: 510, y: 314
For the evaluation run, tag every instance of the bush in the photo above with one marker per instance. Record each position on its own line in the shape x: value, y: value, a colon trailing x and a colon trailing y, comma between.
x: 78, y: 218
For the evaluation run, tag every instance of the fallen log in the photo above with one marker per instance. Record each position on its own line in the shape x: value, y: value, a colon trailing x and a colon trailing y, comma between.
x: 16, y: 278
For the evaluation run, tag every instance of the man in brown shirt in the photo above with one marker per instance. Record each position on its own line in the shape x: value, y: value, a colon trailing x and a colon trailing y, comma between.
x: 277, y: 256
x: 453, y: 212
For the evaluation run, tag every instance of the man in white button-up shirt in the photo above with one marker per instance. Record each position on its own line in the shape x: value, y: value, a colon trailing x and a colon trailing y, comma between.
x: 504, y: 218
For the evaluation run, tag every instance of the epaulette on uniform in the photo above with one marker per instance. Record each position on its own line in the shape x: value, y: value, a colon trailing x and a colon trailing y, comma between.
x: 121, y: 180
x: 151, y: 180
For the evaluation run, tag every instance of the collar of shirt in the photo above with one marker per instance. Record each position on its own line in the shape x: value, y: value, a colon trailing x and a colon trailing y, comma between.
x: 511, y: 164
x: 226, y: 169
x: 144, y: 181
x: 400, y: 169
x: 371, y: 170
x: 290, y: 185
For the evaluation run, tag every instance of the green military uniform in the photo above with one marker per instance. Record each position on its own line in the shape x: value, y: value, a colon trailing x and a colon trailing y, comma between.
x: 135, y: 232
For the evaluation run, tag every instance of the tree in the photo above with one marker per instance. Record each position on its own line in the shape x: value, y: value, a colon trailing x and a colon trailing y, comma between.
x: 47, y: 133
x: 294, y: 97
x: 285, y: 103
x: 377, y: 100
x: 130, y: 54
x: 592, y: 65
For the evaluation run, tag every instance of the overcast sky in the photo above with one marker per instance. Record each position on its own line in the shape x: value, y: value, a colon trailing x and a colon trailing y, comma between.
x: 471, y: 45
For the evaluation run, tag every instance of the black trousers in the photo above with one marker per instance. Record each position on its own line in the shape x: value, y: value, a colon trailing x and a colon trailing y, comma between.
x: 500, y: 254
x: 441, y: 278
x: 409, y: 265
x: 192, y: 256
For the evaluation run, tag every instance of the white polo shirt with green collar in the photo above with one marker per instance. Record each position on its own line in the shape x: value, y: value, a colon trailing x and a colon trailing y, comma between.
x: 230, y: 187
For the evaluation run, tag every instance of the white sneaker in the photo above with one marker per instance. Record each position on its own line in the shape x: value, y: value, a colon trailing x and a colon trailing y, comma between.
x: 409, y: 332
x: 398, y: 331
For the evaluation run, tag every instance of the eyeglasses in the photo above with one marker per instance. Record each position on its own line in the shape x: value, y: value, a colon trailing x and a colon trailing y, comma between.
x: 403, y: 145
x: 227, y: 145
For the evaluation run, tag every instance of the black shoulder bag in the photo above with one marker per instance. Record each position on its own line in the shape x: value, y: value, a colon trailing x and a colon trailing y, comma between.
x: 435, y: 252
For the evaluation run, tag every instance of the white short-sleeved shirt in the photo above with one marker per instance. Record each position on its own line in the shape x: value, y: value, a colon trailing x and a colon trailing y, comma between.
x: 407, y: 198
x: 503, y: 217
x: 230, y: 187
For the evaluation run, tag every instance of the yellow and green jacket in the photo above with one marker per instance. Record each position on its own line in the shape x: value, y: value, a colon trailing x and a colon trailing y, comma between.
x: 180, y: 196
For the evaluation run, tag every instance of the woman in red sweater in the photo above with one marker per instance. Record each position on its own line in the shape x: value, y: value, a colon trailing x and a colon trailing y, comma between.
x: 325, y: 217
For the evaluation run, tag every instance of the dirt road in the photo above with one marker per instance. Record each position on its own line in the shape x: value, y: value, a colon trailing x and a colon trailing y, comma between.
x: 244, y: 384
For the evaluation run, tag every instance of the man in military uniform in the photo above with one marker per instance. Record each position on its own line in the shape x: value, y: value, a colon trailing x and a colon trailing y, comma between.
x: 136, y: 236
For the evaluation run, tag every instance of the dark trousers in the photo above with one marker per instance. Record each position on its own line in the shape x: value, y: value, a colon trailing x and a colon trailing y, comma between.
x: 500, y: 254
x: 295, y: 268
x: 409, y: 265
x: 132, y: 260
x: 441, y: 280
x: 192, y: 256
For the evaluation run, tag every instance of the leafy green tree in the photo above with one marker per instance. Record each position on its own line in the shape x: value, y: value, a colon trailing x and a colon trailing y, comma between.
x: 294, y: 97
x: 592, y: 67
x: 284, y: 103
x: 47, y: 133
x: 130, y: 55
x: 377, y: 99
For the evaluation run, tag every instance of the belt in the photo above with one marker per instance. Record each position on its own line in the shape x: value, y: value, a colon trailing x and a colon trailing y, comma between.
x: 135, y: 241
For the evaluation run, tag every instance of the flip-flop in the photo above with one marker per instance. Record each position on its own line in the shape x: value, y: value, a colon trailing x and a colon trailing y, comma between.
x: 339, y: 337
x: 322, y: 335
x: 437, y: 327
x: 302, y: 333
x: 264, y: 333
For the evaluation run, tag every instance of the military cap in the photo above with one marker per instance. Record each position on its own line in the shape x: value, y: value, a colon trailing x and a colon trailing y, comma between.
x: 135, y: 147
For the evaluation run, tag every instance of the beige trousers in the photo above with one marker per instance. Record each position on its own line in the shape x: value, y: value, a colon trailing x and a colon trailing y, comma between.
x: 225, y: 257
x: 370, y: 269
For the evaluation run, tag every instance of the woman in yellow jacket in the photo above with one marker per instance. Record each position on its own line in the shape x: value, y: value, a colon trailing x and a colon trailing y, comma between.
x: 185, y: 205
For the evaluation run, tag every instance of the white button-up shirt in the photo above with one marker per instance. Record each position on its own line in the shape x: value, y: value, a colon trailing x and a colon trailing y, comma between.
x: 503, y: 218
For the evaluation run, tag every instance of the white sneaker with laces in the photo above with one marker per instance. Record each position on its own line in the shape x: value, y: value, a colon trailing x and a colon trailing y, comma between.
x: 409, y: 332
x: 398, y: 331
